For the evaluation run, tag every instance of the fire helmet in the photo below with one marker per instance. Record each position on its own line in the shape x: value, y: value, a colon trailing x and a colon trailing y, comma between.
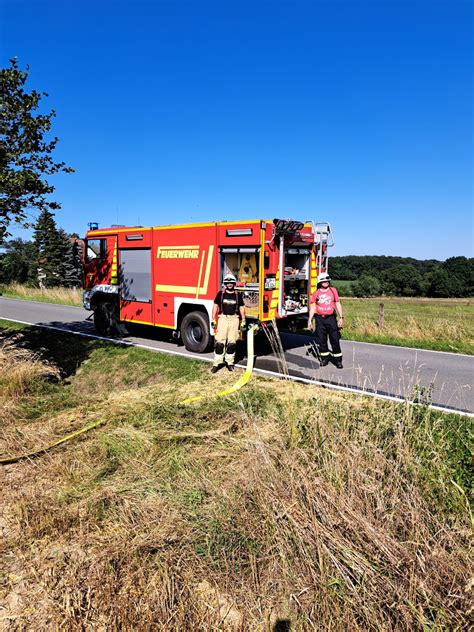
x: 230, y: 278
x: 324, y: 276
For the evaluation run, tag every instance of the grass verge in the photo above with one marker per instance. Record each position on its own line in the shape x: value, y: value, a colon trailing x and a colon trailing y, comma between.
x: 59, y: 295
x: 282, y: 505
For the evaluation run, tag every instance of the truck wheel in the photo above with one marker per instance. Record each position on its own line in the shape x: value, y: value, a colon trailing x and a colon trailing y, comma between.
x: 195, y: 332
x: 105, y: 319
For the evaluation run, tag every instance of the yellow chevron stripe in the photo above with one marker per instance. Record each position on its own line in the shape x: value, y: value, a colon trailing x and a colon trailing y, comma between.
x: 203, y: 254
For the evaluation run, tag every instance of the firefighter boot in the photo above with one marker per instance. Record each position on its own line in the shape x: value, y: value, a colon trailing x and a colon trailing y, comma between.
x: 230, y: 355
x: 324, y: 358
x: 218, y: 357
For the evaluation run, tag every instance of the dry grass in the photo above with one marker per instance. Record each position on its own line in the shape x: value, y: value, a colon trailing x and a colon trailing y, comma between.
x: 61, y: 295
x: 417, y: 329
x: 281, y: 506
x: 20, y: 372
x: 443, y: 324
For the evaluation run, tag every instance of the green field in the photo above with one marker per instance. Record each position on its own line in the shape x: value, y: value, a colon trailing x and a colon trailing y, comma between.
x: 440, y: 324
x: 281, y: 505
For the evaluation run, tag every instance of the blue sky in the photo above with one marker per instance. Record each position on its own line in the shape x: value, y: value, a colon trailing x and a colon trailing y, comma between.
x: 356, y: 112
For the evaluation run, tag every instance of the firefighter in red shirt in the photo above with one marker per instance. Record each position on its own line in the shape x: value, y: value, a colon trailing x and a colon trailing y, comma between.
x: 326, y: 304
x: 229, y: 306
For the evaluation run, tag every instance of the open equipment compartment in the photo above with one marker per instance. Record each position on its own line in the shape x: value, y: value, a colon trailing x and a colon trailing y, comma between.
x: 295, y: 244
x: 243, y: 263
x: 296, y: 280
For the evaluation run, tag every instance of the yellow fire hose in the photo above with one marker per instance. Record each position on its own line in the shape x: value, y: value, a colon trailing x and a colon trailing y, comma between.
x: 228, y: 391
x: 242, y: 381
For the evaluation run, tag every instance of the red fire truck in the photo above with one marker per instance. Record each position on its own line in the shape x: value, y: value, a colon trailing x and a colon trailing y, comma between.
x: 168, y: 276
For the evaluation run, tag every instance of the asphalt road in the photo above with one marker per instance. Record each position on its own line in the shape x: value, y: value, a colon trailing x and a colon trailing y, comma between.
x: 381, y: 369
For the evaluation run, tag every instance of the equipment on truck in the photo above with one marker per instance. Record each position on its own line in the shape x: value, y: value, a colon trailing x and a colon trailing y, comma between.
x: 168, y: 276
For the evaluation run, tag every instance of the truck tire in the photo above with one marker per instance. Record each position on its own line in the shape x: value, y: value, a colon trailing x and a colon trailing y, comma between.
x: 105, y: 319
x: 195, y: 332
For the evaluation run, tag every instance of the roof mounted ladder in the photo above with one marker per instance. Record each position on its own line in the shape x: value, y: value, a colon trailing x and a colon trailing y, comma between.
x: 323, y: 239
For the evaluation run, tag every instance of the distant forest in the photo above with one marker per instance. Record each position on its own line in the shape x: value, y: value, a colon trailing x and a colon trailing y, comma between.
x: 372, y: 275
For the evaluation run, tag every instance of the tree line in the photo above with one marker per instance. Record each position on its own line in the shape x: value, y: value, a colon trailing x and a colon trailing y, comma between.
x: 404, y: 276
x: 52, y: 258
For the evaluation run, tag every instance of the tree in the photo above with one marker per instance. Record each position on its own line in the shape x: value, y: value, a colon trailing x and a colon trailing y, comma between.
x: 366, y: 285
x: 70, y: 269
x: 461, y: 274
x: 17, y: 262
x: 403, y: 280
x: 25, y: 150
x: 49, y: 247
x: 438, y: 284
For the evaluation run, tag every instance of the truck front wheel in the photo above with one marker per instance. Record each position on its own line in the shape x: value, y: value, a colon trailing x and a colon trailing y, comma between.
x: 105, y: 319
x: 195, y: 332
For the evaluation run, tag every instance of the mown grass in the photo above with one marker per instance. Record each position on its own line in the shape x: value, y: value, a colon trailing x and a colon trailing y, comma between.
x: 282, y: 505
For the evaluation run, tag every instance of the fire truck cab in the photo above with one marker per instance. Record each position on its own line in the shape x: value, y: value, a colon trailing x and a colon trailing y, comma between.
x: 168, y: 276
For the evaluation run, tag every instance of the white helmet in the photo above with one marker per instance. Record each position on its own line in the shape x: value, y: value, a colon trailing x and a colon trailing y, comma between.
x: 324, y: 276
x: 230, y: 278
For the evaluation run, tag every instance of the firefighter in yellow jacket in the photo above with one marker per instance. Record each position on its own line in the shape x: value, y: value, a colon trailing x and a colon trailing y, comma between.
x: 227, y: 311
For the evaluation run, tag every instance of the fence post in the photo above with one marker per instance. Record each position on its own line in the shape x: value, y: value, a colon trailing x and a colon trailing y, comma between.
x: 381, y: 321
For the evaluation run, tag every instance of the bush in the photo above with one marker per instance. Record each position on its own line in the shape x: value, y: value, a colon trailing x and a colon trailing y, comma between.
x: 344, y: 288
x: 367, y: 285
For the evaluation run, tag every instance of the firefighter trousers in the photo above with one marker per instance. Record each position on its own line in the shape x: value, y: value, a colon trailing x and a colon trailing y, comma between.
x: 327, y: 327
x: 226, y: 338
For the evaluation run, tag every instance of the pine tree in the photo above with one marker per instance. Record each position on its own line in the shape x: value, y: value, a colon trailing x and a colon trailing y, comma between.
x: 71, y: 265
x: 49, y: 250
x: 77, y: 252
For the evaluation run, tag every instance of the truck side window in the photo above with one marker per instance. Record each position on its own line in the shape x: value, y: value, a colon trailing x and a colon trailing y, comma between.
x: 96, y: 249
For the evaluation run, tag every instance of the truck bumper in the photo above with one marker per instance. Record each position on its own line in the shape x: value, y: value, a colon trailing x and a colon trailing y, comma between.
x: 86, y: 300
